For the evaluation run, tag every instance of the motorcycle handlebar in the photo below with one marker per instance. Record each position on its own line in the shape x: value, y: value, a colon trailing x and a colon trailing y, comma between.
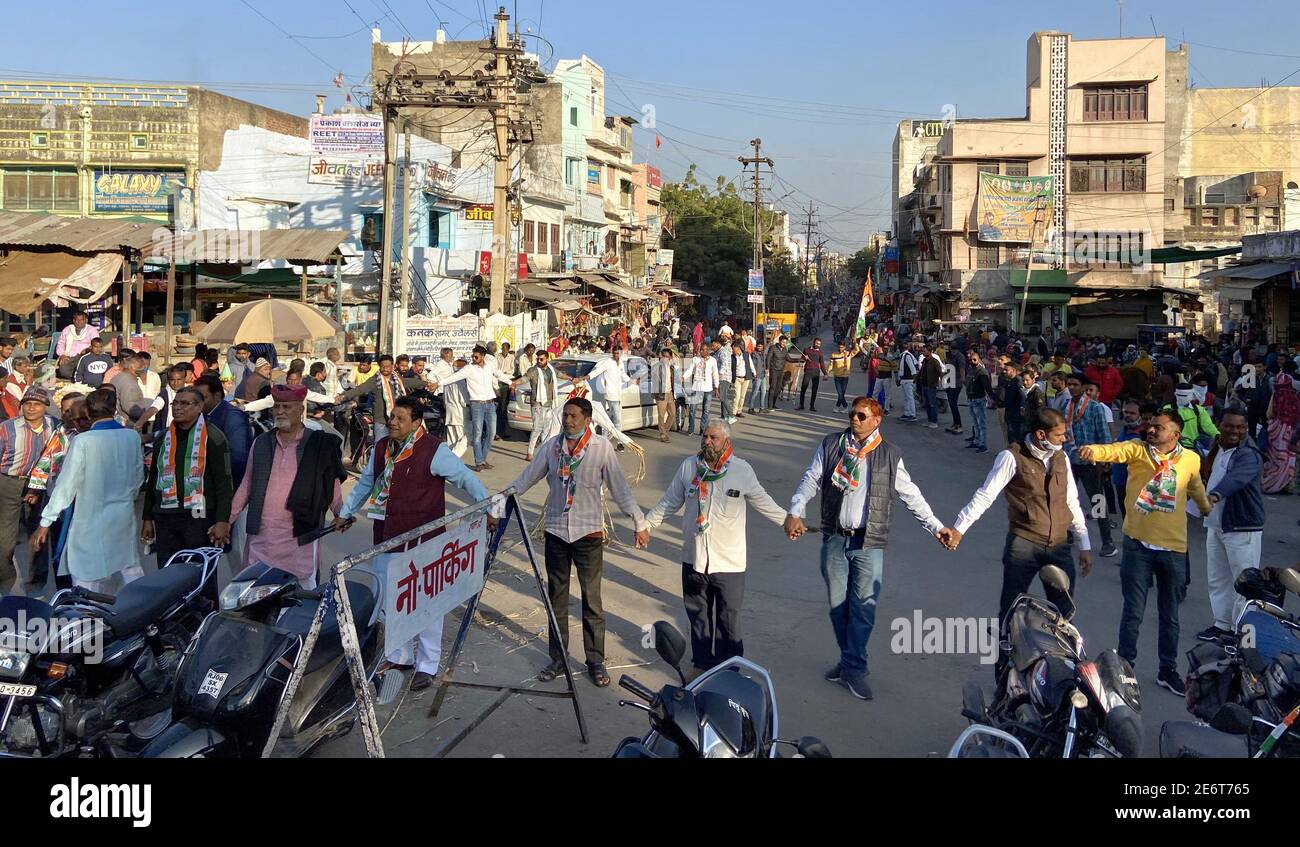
x: 94, y: 596
x: 636, y: 688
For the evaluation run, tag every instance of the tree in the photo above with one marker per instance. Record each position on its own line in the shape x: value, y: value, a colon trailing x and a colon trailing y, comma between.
x: 859, y: 262
x: 782, y: 277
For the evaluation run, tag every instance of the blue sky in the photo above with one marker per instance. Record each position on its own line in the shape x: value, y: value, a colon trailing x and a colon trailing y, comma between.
x: 822, y: 82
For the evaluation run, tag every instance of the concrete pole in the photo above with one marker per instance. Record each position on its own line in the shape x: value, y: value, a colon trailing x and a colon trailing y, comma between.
x: 501, y: 178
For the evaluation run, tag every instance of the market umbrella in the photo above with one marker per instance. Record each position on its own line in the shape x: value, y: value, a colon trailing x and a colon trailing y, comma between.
x: 267, y: 321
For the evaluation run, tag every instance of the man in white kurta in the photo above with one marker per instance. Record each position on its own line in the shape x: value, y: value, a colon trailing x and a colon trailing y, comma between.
x: 716, y: 487
x: 101, y: 477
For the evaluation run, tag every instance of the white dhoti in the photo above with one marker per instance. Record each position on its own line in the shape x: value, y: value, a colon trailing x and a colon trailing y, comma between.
x: 428, y: 653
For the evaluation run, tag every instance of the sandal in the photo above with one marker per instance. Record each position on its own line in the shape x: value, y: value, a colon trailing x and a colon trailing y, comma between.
x: 551, y: 671
x: 599, y: 676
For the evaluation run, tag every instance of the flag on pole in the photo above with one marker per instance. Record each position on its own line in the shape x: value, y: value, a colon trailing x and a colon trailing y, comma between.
x: 658, y: 143
x: 868, y: 306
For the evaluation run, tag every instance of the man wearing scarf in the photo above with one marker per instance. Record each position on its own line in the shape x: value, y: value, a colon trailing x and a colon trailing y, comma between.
x: 292, y: 478
x: 385, y: 388
x: 1162, y: 475
x: 189, y: 488
x: 543, y: 380
x: 857, y: 473
x: 403, y: 487
x: 1085, y: 423
x: 576, y: 464
x: 1034, y: 477
x: 715, y: 486
x: 72, y: 411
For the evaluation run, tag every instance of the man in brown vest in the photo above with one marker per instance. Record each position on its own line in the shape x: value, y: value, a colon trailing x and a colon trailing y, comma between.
x: 1042, y: 506
x: 404, y: 487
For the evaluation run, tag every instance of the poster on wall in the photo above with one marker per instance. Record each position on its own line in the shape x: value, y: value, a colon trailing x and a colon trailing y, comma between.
x: 426, y: 336
x: 135, y: 191
x: 347, y: 134
x: 330, y: 170
x: 1008, y: 206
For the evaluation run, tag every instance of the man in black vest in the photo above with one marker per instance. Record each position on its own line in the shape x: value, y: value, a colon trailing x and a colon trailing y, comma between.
x: 857, y: 474
x: 1034, y: 477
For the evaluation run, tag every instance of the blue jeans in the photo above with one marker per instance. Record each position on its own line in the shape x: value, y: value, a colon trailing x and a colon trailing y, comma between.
x: 909, y: 397
x: 978, y: 412
x: 853, y: 578
x: 482, y: 428
x: 726, y: 395
x: 703, y: 410
x: 1136, y: 570
x: 931, y: 396
x: 758, y: 399
x: 615, y: 409
x: 841, y: 386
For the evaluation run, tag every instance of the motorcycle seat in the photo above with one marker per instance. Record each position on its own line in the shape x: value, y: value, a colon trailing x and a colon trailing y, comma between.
x: 329, y: 645
x: 1189, y: 740
x: 144, y: 601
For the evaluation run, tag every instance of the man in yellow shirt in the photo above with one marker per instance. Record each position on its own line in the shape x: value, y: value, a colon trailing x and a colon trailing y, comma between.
x: 1161, y: 476
x: 1057, y: 365
x: 841, y: 363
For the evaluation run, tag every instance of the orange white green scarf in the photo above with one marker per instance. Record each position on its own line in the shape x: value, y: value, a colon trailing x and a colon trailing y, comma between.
x: 398, y: 451
x: 569, y: 460
x: 1161, y: 493
x: 198, y: 459
x: 51, y: 460
x: 848, y: 473
x: 392, y: 388
x: 1074, y: 413
x: 705, y: 475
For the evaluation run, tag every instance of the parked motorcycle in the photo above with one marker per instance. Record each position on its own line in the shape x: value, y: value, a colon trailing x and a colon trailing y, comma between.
x: 1050, y: 696
x: 233, y: 676
x: 727, y: 712
x: 87, y: 671
x: 363, y: 431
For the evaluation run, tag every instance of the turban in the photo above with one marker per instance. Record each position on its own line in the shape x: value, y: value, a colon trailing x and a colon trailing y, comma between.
x: 289, y: 393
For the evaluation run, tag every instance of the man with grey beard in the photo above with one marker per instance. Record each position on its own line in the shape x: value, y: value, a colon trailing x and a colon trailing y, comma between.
x: 294, y: 475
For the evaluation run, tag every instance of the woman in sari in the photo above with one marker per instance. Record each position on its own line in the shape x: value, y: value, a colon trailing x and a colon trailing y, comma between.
x: 1283, y: 418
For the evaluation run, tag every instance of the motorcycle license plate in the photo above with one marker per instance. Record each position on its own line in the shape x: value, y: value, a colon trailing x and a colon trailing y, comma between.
x: 11, y: 690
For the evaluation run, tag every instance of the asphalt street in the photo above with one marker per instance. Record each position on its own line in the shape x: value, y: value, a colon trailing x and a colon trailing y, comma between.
x: 916, y: 710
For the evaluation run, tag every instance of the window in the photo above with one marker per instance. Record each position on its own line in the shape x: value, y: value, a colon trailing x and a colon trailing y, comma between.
x: 543, y: 248
x: 987, y: 168
x: 1108, y: 175
x: 987, y: 257
x: 529, y: 242
x: 40, y: 139
x: 1215, y: 198
x: 555, y: 239
x: 1016, y: 169
x: 1272, y: 218
x: 1169, y: 204
x: 571, y: 171
x: 625, y: 194
x: 1252, y: 216
x: 611, y: 181
x: 592, y: 101
x: 1231, y: 217
x: 625, y: 137
x: 372, y: 231
x: 139, y: 141
x: 440, y: 229
x: 573, y: 116
x: 40, y: 191
x: 1115, y: 103
x: 1209, y: 216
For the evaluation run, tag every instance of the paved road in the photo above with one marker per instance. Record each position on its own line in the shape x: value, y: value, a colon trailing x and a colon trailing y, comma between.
x: 917, y: 697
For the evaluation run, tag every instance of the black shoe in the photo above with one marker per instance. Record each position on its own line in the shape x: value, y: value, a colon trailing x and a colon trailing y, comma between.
x: 833, y: 675
x: 422, y: 681
x: 972, y: 446
x: 1169, y: 680
x: 800, y: 409
x: 1212, y: 633
x: 857, y: 686
x: 812, y: 408
x: 1108, y: 552
x: 981, y: 449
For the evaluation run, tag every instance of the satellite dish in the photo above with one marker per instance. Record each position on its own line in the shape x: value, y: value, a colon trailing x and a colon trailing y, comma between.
x: 1257, y: 191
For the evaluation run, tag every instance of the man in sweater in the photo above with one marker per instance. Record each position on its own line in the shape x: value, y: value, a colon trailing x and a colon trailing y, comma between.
x: 1234, y: 530
x: 1161, y: 477
x: 543, y: 381
x: 777, y: 356
x: 664, y: 380
x: 93, y: 364
x: 813, y: 370
x: 931, y: 381
x: 1034, y: 478
x: 978, y: 390
x: 857, y: 474
x: 715, y: 487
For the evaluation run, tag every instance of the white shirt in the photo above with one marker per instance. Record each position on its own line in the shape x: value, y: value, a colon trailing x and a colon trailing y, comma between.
x: 480, y: 380
x: 600, y: 377
x: 150, y: 384
x: 1110, y: 415
x: 1004, y: 469
x: 909, y: 367
x: 701, y: 377
x: 545, y: 389
x: 853, y: 507
x: 438, y: 372
x: 720, y: 548
x: 1217, y: 472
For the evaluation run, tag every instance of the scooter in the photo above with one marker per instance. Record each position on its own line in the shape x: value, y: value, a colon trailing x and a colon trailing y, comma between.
x: 89, y: 671
x: 727, y: 712
x: 234, y: 675
x: 1050, y: 697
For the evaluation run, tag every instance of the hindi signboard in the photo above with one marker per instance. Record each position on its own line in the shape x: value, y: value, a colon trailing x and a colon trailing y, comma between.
x: 325, y: 170
x: 755, y: 280
x: 427, y: 582
x: 1008, y: 206
x: 427, y: 336
x: 356, y: 133
x: 755, y: 298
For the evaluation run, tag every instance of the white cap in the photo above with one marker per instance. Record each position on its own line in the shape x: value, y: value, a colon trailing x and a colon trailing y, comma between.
x: 726, y: 330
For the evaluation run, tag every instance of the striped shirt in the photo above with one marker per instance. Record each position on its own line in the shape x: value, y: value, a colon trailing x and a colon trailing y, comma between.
x: 51, y: 461
x: 21, y: 446
x: 599, y: 467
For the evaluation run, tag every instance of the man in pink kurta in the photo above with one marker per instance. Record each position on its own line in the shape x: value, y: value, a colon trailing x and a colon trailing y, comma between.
x: 275, y: 543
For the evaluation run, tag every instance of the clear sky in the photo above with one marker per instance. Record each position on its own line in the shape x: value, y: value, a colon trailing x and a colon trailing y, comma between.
x: 822, y: 82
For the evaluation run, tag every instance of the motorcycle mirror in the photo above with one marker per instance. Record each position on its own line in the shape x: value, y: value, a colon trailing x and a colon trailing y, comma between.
x: 1233, y: 718
x: 1054, y: 577
x: 1290, y: 579
x: 669, y: 644
x: 1124, y: 729
x: 812, y: 747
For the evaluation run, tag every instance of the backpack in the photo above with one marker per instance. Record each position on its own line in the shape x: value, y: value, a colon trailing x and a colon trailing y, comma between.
x: 1212, y: 679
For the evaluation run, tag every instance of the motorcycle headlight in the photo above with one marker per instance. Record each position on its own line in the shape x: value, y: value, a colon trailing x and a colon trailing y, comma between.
x: 239, y: 595
x: 712, y: 745
x: 13, y: 663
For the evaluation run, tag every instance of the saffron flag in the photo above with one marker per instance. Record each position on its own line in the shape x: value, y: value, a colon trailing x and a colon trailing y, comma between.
x: 868, y: 306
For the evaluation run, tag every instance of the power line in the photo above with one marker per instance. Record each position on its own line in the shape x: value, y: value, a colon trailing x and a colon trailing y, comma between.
x: 289, y: 36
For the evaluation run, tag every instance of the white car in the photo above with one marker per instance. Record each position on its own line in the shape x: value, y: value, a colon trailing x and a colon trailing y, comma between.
x: 638, y: 406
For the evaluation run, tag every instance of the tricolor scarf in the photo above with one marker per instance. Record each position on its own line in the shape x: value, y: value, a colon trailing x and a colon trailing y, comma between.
x: 392, y: 388
x: 704, y: 475
x: 1074, y: 413
x: 848, y: 473
x: 193, y: 473
x: 569, y: 460
x: 1160, y: 494
x: 377, y: 502
x: 51, y: 460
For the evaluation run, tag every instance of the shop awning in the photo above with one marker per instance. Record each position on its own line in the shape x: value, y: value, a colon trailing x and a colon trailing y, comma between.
x: 300, y: 246
x: 613, y: 287
x: 29, y: 279
x: 1243, y: 289
x: 1045, y: 298
x: 539, y: 292
x: 1264, y: 270
x: 1175, y: 254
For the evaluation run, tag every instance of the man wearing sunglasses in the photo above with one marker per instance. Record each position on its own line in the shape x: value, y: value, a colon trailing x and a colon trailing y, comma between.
x: 857, y: 474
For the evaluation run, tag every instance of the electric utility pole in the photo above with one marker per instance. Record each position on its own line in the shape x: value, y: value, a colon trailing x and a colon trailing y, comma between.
x: 757, y: 160
x: 811, y: 221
